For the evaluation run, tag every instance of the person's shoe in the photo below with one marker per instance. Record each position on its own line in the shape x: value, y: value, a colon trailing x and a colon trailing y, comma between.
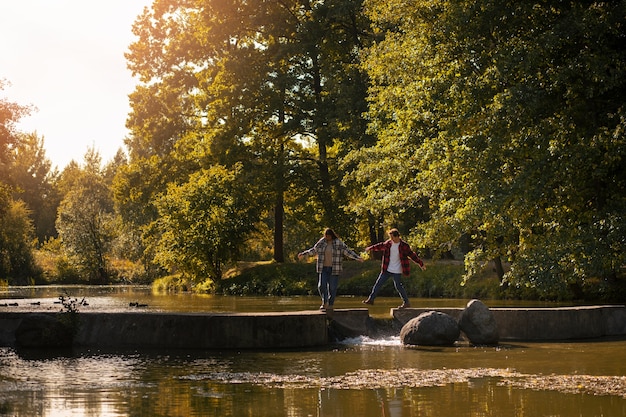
x: 405, y: 305
x: 369, y: 301
x: 323, y: 307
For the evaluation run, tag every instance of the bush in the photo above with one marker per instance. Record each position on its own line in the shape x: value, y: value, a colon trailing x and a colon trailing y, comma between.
x: 172, y: 283
x: 272, y: 279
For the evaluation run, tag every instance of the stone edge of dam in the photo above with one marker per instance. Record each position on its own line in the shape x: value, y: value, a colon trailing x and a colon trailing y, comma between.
x: 307, y: 329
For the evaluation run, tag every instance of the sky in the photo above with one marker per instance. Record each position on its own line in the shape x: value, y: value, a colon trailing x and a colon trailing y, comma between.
x: 66, y: 58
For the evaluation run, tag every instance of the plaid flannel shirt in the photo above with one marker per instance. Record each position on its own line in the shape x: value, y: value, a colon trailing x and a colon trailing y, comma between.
x: 339, y: 250
x: 406, y: 253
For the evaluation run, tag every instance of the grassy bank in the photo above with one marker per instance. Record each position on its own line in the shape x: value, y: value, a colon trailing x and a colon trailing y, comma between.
x: 441, y: 279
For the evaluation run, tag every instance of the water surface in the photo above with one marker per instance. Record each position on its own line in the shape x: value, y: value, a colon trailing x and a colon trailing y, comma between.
x: 119, y: 298
x: 359, y: 377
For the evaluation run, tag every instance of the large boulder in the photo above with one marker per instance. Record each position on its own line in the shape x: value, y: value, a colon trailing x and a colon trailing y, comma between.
x: 479, y: 324
x: 43, y: 330
x: 431, y: 328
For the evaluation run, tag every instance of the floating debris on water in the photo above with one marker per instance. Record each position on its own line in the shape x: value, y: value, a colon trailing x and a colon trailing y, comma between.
x: 367, y: 378
x: 420, y: 378
x: 571, y: 384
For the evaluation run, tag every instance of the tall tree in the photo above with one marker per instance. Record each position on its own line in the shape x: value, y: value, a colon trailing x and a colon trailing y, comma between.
x: 204, y: 223
x: 85, y: 219
x: 10, y: 113
x: 251, y: 82
x: 514, y: 115
x: 34, y: 182
x: 16, y: 229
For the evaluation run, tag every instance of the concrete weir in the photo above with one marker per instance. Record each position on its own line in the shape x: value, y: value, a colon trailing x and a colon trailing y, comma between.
x: 539, y: 324
x: 306, y: 329
x: 204, y: 331
x: 188, y: 331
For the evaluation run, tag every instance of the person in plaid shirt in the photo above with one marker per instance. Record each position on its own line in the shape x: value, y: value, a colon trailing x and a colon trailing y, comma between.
x: 330, y: 251
x: 396, y: 255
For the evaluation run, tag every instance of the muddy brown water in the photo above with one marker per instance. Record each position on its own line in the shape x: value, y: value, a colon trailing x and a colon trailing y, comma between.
x: 358, y: 377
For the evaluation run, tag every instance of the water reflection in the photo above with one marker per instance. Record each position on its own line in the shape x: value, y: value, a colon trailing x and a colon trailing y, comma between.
x: 118, y: 298
x: 355, y: 379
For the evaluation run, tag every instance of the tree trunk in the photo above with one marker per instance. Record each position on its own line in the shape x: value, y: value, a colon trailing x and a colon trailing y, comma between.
x: 321, y: 133
x: 499, y: 268
x: 279, y: 214
x: 279, y: 187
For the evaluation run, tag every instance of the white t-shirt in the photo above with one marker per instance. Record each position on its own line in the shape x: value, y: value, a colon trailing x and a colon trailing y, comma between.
x: 395, y: 267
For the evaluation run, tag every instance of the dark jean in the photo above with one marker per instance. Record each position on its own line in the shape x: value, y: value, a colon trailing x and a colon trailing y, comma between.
x: 397, y: 282
x: 327, y: 285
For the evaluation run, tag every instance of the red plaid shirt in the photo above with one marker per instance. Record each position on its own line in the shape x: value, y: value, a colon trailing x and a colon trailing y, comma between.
x: 406, y: 253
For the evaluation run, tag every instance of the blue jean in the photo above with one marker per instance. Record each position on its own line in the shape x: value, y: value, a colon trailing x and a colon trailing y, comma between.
x: 382, y: 278
x: 327, y: 285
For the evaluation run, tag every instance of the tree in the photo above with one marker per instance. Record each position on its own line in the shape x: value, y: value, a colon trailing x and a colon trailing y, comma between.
x: 85, y: 219
x: 16, y: 229
x: 512, y: 118
x: 250, y: 82
x: 10, y: 113
x: 17, y: 264
x: 34, y: 183
x: 204, y: 223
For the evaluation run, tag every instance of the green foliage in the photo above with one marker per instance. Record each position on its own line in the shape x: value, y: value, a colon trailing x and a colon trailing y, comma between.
x: 10, y: 114
x: 273, y: 86
x: 441, y: 279
x: 16, y: 228
x: 276, y: 279
x: 17, y: 263
x: 494, y: 129
x: 172, y: 283
x: 34, y: 182
x: 509, y: 119
x: 204, y: 223
x: 58, y: 267
x: 85, y: 219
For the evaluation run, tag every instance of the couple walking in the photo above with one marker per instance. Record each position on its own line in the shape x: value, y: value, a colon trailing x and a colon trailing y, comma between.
x: 330, y: 251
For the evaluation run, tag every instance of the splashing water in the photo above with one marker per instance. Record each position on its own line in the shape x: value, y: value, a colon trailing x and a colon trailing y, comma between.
x: 367, y: 341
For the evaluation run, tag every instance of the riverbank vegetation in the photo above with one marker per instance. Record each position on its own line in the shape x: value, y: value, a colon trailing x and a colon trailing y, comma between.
x: 441, y: 279
x: 492, y: 134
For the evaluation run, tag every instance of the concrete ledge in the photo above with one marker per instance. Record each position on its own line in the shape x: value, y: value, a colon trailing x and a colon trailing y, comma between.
x: 350, y: 322
x: 544, y: 323
x: 310, y: 328
x: 192, y: 331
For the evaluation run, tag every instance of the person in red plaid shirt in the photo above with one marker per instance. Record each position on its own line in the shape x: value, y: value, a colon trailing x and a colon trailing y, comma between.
x: 396, y: 255
x: 330, y: 251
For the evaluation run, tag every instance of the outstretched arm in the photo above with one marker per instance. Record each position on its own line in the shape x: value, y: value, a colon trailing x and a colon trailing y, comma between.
x: 417, y: 260
x: 307, y: 252
x: 376, y: 247
x: 352, y: 254
x: 311, y: 251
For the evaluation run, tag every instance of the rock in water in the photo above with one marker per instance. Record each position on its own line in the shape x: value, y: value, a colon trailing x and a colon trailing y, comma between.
x: 431, y: 328
x: 479, y: 324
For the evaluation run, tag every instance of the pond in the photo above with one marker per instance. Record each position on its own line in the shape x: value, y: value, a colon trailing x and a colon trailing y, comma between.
x: 358, y: 377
